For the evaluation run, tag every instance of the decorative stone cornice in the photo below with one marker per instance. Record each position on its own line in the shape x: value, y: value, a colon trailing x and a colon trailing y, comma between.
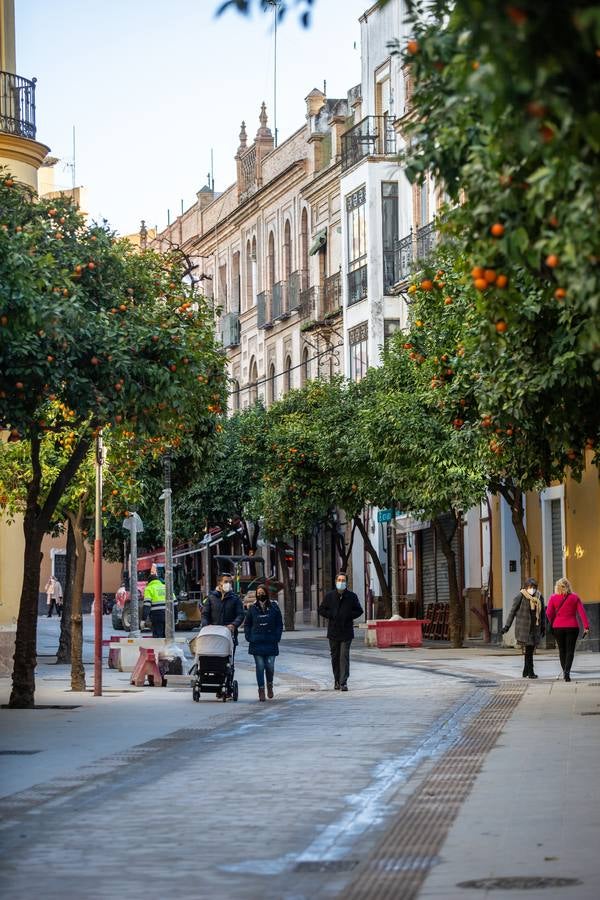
x: 30, y: 153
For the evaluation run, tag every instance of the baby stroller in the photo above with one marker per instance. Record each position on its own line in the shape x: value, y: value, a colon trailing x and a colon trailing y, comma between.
x: 213, y: 669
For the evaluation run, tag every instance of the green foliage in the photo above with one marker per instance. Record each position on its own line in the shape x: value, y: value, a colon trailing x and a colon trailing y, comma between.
x: 506, y: 117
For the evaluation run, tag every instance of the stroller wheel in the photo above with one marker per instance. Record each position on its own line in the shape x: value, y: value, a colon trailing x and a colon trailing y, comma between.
x: 235, y: 691
x: 195, y: 694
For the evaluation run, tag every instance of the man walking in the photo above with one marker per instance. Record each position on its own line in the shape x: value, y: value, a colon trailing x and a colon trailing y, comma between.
x: 54, y: 596
x: 340, y: 607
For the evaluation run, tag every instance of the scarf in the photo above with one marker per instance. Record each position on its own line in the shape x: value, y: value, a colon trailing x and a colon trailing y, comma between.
x: 535, y: 603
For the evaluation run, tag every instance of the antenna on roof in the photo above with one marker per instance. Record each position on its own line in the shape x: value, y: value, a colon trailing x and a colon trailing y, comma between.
x: 211, y: 179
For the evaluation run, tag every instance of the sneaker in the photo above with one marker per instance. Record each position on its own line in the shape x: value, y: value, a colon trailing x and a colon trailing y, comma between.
x: 343, y: 687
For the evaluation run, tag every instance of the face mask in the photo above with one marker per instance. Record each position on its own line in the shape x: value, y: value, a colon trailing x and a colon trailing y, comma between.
x: 261, y: 597
x: 531, y: 591
x: 340, y: 585
x: 226, y: 587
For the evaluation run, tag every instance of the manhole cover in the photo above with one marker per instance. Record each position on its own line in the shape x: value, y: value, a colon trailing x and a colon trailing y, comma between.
x: 18, y: 752
x: 326, y: 865
x: 525, y: 883
x: 590, y: 713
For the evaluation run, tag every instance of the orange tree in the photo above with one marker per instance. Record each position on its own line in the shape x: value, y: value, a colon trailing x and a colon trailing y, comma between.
x: 505, y: 117
x: 113, y: 337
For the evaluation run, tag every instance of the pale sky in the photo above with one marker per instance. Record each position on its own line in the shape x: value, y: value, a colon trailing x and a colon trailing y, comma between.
x: 151, y: 86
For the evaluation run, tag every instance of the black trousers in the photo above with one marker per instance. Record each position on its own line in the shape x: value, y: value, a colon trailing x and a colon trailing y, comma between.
x: 528, y: 664
x: 54, y: 603
x: 566, y: 638
x: 157, y: 617
x: 340, y: 660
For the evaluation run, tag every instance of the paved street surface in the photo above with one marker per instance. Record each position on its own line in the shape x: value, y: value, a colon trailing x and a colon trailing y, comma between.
x: 437, y: 770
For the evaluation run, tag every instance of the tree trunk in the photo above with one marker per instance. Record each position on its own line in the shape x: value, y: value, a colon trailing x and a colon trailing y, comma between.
x: 343, y: 550
x: 35, y: 524
x: 513, y: 495
x: 77, y: 668
x: 456, y: 608
x: 63, y: 654
x: 289, y: 604
x: 25, y: 659
x: 385, y: 590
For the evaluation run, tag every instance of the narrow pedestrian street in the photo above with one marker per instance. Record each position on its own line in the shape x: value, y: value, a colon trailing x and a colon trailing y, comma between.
x: 314, y: 794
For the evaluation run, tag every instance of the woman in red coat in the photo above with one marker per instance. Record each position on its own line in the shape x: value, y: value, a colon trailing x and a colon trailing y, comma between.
x: 563, y: 608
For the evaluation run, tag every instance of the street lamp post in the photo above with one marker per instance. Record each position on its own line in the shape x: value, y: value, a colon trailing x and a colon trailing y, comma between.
x: 166, y: 496
x: 98, y: 610
x: 134, y: 525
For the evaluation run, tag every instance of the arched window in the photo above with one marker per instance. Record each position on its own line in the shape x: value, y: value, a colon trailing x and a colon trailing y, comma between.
x: 249, y: 276
x: 287, y: 378
x: 305, y: 366
x: 287, y: 250
x: 271, y: 261
x: 252, y: 381
x: 235, y: 395
x: 272, y: 386
x: 304, y: 247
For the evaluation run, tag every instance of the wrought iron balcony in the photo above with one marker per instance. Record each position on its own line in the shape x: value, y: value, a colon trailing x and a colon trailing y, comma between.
x: 373, y: 136
x: 408, y: 252
x: 331, y: 297
x: 297, y: 282
x: 308, y: 303
x: 279, y: 301
x: 17, y: 105
x: 263, y: 310
x: 357, y: 285
x: 230, y: 329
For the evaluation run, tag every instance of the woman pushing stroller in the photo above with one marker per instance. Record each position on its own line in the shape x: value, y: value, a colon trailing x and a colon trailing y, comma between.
x: 263, y: 629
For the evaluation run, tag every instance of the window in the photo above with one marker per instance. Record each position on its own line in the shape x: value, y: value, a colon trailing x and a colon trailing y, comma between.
x: 235, y: 283
x: 287, y: 250
x: 390, y: 327
x: 271, y: 385
x: 271, y: 260
x: 357, y: 245
x: 288, y: 374
x: 304, y: 246
x: 250, y: 273
x: 223, y: 286
x: 359, y: 358
x: 235, y: 395
x: 423, y: 205
x: 390, y: 235
x: 253, y: 381
x: 305, y: 366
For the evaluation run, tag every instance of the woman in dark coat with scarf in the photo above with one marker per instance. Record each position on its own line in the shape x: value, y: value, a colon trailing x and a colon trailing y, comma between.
x: 530, y: 625
x: 263, y: 629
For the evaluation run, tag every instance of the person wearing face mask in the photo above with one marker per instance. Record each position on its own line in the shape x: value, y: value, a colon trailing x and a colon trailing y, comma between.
x: 340, y: 607
x: 263, y: 629
x: 223, y: 607
x: 530, y: 624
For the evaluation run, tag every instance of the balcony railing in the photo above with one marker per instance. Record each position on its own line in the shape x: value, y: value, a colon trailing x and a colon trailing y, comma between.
x: 331, y: 298
x: 407, y: 253
x: 263, y: 310
x: 297, y: 282
x: 308, y: 303
x: 357, y: 285
x: 230, y: 329
x: 17, y: 105
x: 373, y: 136
x: 279, y: 301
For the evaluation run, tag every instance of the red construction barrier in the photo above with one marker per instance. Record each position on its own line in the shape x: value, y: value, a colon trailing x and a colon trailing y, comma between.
x: 147, y: 667
x: 399, y: 631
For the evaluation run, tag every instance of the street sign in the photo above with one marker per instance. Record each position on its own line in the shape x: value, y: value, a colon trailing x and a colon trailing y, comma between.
x: 128, y: 523
x: 384, y: 515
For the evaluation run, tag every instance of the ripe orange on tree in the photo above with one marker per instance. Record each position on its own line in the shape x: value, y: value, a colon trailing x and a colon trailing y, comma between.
x: 497, y: 229
x: 552, y: 260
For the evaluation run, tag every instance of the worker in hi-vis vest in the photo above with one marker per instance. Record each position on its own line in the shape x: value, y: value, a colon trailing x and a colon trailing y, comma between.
x: 154, y: 604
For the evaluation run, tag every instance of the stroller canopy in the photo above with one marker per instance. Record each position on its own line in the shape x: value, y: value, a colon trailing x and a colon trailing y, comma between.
x: 213, y: 640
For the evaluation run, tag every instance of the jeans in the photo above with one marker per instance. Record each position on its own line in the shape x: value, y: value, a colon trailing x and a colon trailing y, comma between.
x: 264, y: 664
x: 340, y: 660
x: 566, y: 638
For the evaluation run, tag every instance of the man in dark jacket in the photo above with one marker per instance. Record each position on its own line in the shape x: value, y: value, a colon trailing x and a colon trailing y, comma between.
x: 340, y: 607
x: 223, y: 607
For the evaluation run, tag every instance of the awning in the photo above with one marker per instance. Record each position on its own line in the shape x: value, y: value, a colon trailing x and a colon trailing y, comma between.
x: 405, y: 524
x: 319, y: 242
